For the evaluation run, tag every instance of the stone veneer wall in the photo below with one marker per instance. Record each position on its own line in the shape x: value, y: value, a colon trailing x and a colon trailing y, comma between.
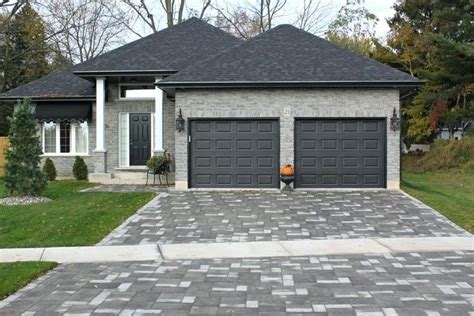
x: 288, y: 104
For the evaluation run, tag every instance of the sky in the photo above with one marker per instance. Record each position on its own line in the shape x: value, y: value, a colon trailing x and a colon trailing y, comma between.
x: 381, y: 8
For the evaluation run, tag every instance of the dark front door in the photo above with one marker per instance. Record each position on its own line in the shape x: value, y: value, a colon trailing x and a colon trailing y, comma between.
x: 140, y: 138
x: 234, y: 153
x: 340, y: 153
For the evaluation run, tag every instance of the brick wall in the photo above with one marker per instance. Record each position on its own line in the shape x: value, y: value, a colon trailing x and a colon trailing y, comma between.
x: 287, y: 104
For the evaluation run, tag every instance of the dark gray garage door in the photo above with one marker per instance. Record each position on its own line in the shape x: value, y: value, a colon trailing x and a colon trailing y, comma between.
x: 340, y: 153
x: 234, y: 153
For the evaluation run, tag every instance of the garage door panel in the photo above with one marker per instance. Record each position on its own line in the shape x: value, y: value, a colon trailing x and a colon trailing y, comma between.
x: 223, y: 162
x: 247, y: 156
x: 340, y: 153
x: 223, y: 127
x: 328, y: 144
x: 349, y: 126
x: 203, y: 127
x: 350, y: 144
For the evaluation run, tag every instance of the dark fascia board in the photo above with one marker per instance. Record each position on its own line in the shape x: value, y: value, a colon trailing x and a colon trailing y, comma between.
x: 289, y: 84
x: 77, y: 98
x: 118, y: 73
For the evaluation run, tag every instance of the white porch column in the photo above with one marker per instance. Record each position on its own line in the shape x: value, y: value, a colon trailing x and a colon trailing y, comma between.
x: 158, y: 145
x: 100, y: 114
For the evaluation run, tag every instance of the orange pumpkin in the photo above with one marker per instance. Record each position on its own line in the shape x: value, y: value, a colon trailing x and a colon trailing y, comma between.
x: 287, y: 171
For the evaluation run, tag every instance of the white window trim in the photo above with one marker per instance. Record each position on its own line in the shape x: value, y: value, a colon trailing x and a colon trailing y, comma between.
x: 133, y: 98
x: 58, y: 152
x: 127, y: 115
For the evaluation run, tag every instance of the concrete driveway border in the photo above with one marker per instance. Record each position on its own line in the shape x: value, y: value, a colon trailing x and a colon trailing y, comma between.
x: 82, y: 254
x: 298, y: 248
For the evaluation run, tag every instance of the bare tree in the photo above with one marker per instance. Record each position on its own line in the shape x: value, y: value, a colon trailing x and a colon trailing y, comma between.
x: 314, y: 16
x: 11, y: 7
x: 237, y: 20
x: 88, y: 28
x: 205, y: 5
x: 143, y: 12
x: 249, y: 19
x: 170, y: 7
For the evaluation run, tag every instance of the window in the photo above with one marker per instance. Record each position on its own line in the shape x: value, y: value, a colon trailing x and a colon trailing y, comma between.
x: 137, y: 91
x: 81, y: 137
x: 49, y: 136
x: 65, y: 138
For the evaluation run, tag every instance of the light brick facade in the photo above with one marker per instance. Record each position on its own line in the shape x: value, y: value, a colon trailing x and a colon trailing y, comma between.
x: 108, y: 162
x: 284, y: 104
x: 288, y: 104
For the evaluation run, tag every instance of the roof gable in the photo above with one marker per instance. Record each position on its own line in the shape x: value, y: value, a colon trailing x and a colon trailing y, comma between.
x: 171, y: 49
x: 287, y: 54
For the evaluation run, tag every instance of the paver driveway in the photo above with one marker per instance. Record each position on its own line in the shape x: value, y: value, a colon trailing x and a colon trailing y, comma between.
x: 384, y: 284
x: 197, y: 216
x: 407, y: 284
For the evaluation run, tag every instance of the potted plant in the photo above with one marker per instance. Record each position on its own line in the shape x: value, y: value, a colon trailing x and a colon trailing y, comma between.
x: 158, y: 165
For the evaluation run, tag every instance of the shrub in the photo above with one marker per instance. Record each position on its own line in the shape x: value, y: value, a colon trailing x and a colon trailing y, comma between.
x: 157, y: 163
x: 447, y: 154
x: 23, y: 174
x: 49, y: 169
x: 79, y: 169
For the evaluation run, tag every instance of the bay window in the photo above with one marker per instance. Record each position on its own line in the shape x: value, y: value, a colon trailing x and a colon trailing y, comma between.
x: 65, y: 138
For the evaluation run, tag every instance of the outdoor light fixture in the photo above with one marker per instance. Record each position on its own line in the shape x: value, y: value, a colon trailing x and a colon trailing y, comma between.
x: 180, y: 122
x: 395, y: 121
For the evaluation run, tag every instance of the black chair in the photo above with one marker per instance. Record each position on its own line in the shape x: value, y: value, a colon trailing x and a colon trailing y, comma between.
x: 157, y: 172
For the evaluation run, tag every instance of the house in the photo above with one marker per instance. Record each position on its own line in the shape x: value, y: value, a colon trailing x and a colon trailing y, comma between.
x: 458, y: 133
x: 283, y: 97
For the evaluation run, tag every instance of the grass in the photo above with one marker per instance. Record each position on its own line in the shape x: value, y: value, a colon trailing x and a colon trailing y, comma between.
x: 16, y: 275
x: 448, y: 191
x: 73, y: 218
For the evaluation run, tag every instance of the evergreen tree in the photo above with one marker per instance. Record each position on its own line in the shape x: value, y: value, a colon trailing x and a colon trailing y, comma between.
x: 79, y: 169
x: 49, y: 169
x: 23, y: 175
x: 23, y: 54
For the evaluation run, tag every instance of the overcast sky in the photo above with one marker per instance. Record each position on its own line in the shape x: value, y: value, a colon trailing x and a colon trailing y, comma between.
x: 381, y: 8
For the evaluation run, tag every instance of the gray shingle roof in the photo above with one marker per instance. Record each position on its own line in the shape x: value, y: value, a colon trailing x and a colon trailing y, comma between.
x: 287, y: 54
x: 171, y: 49
x: 55, y: 85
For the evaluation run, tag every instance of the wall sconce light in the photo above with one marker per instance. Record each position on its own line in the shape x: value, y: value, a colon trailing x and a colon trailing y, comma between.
x: 395, y: 121
x: 180, y: 122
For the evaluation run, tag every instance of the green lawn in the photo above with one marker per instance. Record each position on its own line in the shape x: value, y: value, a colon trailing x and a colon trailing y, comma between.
x: 72, y: 219
x: 16, y: 275
x: 451, y: 192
